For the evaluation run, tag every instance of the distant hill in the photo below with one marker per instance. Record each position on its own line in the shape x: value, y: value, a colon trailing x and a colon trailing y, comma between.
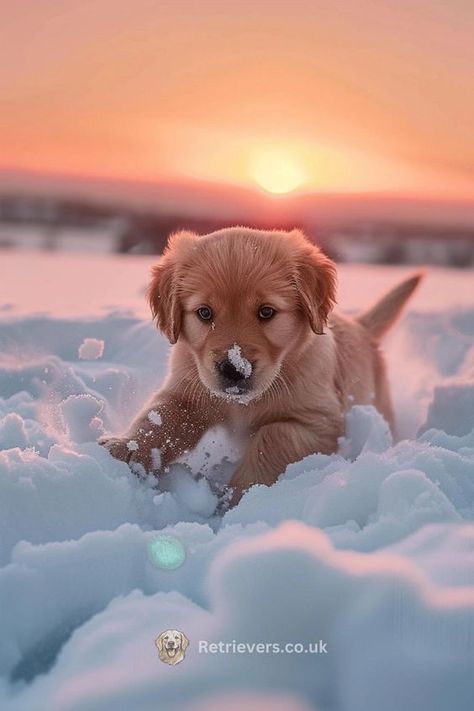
x: 235, y: 203
x: 63, y: 212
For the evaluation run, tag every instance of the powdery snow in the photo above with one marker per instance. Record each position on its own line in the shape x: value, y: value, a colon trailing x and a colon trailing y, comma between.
x: 155, y: 417
x: 241, y: 364
x: 370, y: 549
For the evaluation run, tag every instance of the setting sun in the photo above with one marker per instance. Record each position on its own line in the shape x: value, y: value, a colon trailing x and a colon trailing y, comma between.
x: 277, y: 171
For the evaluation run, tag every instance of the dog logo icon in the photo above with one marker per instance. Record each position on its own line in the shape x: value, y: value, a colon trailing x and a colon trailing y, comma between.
x: 172, y: 646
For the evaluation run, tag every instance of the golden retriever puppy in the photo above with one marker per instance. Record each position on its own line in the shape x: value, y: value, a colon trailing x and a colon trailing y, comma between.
x: 258, y: 349
x: 171, y: 646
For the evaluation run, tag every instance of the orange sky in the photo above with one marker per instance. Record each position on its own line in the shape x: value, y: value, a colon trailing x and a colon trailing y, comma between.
x: 348, y: 95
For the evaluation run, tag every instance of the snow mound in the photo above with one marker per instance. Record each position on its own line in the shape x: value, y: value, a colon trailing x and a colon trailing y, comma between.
x: 366, y: 610
x: 366, y: 430
x: 452, y: 408
x: 369, y: 550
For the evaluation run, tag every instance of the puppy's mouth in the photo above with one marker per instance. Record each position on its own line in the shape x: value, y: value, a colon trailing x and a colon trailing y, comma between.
x: 238, y: 393
x: 241, y: 392
x: 235, y: 390
x: 171, y: 649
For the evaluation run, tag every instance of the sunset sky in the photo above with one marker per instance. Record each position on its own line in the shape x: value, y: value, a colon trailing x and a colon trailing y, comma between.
x: 326, y: 95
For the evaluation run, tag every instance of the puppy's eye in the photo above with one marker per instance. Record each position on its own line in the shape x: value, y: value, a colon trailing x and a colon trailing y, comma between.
x: 266, y: 312
x: 204, y: 313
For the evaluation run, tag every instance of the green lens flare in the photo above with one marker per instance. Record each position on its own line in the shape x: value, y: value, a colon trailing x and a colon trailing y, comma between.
x: 166, y: 552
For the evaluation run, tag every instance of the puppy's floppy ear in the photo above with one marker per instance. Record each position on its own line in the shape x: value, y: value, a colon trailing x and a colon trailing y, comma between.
x: 163, y: 291
x: 159, y: 642
x: 316, y: 281
x: 184, y: 642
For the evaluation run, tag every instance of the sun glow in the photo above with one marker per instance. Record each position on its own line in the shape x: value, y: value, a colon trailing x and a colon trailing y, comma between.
x: 277, y: 171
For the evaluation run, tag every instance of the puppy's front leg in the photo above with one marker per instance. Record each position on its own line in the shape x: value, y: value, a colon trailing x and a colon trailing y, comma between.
x: 167, y: 428
x: 276, y: 445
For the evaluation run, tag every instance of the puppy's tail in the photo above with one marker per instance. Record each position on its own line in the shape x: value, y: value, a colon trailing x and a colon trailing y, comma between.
x: 378, y: 319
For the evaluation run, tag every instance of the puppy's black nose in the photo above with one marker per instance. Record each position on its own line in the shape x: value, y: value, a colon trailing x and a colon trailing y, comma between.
x: 229, y: 371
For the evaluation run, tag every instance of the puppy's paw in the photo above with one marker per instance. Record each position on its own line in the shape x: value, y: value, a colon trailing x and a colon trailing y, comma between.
x: 118, y: 447
x: 234, y: 497
x: 140, y: 458
x: 142, y: 461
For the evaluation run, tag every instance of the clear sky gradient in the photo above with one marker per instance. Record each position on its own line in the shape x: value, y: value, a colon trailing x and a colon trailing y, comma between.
x: 347, y: 94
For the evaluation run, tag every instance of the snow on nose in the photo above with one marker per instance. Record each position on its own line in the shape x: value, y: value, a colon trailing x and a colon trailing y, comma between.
x: 241, y: 364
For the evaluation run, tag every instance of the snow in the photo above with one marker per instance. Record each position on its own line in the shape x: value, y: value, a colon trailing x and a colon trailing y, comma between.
x: 91, y: 349
x: 233, y: 390
x: 241, y: 364
x: 370, y: 549
x: 366, y: 430
x: 155, y: 418
x: 81, y: 417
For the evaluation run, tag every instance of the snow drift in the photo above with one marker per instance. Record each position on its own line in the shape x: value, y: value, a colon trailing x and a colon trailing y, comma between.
x: 370, y: 549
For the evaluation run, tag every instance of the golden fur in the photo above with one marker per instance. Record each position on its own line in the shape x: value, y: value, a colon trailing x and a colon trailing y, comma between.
x: 297, y: 372
x: 171, y: 646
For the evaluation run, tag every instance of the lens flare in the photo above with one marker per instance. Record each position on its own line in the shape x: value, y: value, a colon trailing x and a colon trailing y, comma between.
x: 166, y: 552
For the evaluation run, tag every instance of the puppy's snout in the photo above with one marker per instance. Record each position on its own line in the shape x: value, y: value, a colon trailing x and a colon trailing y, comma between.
x: 229, y: 371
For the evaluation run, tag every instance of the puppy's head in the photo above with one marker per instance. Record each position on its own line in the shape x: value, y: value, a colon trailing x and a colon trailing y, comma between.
x: 241, y: 300
x: 171, y: 642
